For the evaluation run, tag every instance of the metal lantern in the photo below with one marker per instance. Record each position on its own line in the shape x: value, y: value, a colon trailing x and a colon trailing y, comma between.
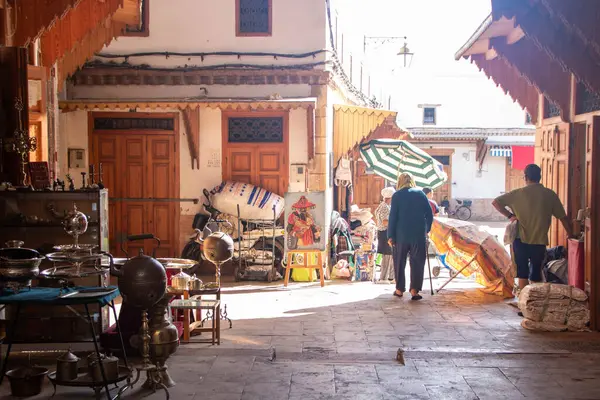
x: 218, y: 248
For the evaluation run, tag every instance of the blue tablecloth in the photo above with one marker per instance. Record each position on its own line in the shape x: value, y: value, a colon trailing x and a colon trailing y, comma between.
x: 50, y: 296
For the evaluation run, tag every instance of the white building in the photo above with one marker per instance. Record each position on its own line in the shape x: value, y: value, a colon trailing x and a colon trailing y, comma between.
x: 481, y: 163
x: 182, y: 102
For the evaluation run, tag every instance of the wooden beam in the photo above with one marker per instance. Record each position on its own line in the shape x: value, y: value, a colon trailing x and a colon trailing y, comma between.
x: 512, y: 82
x: 580, y: 16
x: 310, y: 129
x: 539, y: 69
x: 191, y: 120
x: 562, y: 45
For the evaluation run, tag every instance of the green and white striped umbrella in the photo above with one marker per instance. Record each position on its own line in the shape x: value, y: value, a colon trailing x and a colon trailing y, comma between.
x: 389, y: 158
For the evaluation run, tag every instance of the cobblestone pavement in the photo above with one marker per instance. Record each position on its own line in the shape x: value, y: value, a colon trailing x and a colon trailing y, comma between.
x: 341, y: 341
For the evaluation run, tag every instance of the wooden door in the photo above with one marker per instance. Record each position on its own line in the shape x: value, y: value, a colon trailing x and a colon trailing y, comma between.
x: 141, y: 175
x: 250, y: 159
x: 592, y: 220
x: 514, y: 177
x: 444, y: 157
x: 367, y: 188
x: 552, y: 155
x: 260, y: 166
x: 444, y: 191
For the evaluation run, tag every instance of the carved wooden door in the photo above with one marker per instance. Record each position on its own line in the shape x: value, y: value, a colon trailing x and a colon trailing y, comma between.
x: 263, y: 166
x: 552, y: 155
x: 140, y: 172
x: 255, y: 149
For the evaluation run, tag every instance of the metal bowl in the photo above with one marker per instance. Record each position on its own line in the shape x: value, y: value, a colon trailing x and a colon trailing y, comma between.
x: 19, y: 266
x: 75, y: 248
x: 177, y: 263
x: 26, y: 381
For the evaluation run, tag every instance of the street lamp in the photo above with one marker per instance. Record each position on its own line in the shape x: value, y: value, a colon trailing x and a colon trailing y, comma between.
x: 380, y: 40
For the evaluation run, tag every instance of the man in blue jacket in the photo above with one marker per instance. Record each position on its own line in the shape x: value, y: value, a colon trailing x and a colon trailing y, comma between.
x: 408, y: 225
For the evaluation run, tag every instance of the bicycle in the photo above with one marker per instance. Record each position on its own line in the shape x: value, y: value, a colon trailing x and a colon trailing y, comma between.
x: 462, y: 211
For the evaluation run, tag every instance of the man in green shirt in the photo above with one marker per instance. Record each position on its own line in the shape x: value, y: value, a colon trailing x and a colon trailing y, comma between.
x: 533, y: 206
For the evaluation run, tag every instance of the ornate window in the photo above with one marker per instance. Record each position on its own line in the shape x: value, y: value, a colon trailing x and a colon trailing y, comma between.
x: 164, y: 124
x: 586, y: 101
x: 255, y: 130
x: 254, y: 17
x: 550, y: 109
x: 142, y: 28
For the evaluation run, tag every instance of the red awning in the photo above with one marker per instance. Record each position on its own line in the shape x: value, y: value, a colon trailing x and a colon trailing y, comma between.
x: 522, y: 156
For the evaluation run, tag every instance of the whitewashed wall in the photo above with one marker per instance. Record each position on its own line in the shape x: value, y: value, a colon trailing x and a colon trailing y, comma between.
x: 467, y: 181
x: 74, y: 134
x: 209, y: 26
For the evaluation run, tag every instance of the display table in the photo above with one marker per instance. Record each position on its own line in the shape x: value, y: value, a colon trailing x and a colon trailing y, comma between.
x: 197, y: 326
x: 62, y: 297
x: 199, y: 305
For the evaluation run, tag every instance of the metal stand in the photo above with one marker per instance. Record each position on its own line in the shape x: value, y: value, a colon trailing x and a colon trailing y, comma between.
x: 96, y: 387
x: 153, y: 373
x: 223, y: 317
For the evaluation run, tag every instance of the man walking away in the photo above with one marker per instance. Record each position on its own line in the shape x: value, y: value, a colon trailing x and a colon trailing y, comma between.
x: 533, y: 207
x: 409, y: 223
x: 434, y: 206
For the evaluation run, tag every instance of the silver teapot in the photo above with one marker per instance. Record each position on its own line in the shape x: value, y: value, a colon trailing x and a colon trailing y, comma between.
x: 75, y: 223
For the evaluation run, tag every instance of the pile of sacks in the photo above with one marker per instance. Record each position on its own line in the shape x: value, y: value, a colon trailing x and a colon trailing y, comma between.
x: 554, y: 308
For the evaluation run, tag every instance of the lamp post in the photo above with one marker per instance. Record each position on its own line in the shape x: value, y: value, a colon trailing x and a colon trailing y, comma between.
x: 380, y: 40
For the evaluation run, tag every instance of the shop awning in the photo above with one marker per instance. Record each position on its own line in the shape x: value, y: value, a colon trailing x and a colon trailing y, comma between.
x: 353, y: 125
x: 500, y: 151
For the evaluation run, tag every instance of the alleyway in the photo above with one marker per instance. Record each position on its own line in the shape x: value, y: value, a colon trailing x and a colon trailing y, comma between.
x: 341, y: 341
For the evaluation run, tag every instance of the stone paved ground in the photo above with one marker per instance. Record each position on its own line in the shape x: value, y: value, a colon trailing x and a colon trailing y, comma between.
x: 340, y: 342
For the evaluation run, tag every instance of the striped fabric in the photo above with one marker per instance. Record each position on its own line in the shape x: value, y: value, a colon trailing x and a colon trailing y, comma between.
x: 500, y: 151
x: 388, y: 158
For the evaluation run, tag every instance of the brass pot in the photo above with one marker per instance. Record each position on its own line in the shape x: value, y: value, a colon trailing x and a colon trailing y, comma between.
x: 26, y: 381
x: 142, y: 280
x: 66, y: 367
x: 195, y: 283
x: 110, y: 364
x: 180, y: 281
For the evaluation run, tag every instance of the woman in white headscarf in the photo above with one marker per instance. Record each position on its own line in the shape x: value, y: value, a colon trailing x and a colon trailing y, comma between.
x: 382, y: 214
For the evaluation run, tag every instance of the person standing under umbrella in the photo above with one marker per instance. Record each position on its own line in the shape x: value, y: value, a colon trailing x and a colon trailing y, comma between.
x: 409, y: 223
x: 382, y: 214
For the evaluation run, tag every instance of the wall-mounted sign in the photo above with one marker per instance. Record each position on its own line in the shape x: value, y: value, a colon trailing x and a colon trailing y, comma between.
x: 76, y: 158
x: 214, y: 158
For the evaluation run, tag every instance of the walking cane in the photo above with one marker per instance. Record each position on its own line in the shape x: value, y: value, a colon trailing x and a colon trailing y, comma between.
x: 429, y: 267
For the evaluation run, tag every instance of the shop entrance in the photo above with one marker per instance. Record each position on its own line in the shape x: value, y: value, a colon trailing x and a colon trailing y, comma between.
x: 139, y: 156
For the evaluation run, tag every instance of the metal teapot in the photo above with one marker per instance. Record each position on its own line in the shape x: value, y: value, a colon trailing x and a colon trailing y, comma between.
x: 142, y: 279
x: 75, y: 223
x: 180, y: 281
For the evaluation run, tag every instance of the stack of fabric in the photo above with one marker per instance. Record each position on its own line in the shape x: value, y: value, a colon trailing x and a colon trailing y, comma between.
x: 554, y: 307
x: 364, y: 230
